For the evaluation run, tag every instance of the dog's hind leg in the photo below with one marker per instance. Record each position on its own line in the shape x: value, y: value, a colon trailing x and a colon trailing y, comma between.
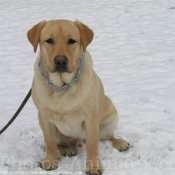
x: 119, y: 144
x: 108, y: 126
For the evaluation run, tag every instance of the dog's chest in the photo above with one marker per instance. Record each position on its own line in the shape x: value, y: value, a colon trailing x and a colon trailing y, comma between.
x: 70, y: 125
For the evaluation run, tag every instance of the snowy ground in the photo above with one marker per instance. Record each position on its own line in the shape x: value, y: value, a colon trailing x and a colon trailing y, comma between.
x: 134, y: 54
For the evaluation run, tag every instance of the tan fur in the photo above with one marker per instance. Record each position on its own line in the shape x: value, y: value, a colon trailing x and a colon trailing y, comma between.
x: 82, y: 111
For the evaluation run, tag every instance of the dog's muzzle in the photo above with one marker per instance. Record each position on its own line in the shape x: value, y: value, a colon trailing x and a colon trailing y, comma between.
x: 60, y: 62
x: 45, y: 77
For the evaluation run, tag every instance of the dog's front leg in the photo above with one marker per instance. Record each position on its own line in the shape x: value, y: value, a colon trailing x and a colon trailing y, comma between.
x: 93, y: 165
x: 49, y: 130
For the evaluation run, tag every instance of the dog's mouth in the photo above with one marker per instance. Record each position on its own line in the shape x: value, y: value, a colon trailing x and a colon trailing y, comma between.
x: 60, y: 69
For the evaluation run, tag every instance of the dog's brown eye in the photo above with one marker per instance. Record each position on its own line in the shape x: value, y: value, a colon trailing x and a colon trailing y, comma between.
x: 50, y: 41
x: 71, y: 41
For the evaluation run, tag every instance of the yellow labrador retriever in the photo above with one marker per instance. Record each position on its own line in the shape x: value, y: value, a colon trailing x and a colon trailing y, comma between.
x: 69, y: 95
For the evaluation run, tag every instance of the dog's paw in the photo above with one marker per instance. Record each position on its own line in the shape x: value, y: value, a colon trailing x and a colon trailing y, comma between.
x: 121, y: 145
x: 94, y: 172
x: 68, y: 152
x: 94, y: 168
x: 49, y: 165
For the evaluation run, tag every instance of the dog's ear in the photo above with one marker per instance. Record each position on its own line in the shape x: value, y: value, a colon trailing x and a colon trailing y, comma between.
x: 34, y: 34
x: 86, y: 34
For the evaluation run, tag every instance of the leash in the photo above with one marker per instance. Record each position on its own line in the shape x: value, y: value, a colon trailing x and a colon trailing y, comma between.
x: 17, y: 112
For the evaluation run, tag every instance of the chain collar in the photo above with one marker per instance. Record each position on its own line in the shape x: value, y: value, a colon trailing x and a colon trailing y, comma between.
x: 45, y: 77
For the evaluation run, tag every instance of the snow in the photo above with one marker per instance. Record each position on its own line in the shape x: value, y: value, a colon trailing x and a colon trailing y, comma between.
x: 134, y: 55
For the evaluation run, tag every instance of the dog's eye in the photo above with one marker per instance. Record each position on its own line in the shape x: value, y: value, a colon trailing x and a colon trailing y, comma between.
x: 71, y: 41
x: 50, y: 41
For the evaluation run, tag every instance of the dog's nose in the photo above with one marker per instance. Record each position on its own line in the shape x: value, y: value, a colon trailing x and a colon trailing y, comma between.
x: 61, y: 63
x: 60, y: 60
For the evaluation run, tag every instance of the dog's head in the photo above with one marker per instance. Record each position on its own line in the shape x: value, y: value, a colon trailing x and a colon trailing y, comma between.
x: 61, y: 43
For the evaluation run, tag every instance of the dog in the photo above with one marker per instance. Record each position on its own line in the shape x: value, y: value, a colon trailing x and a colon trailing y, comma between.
x: 69, y: 95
